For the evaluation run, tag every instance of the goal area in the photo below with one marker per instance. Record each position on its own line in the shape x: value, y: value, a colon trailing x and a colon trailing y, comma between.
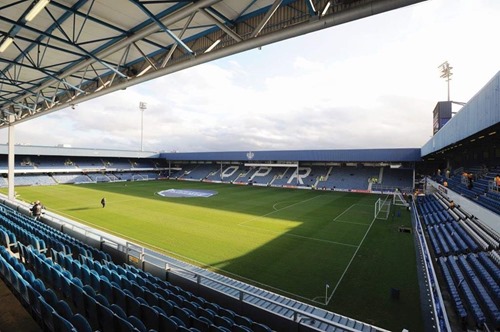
x: 382, y: 208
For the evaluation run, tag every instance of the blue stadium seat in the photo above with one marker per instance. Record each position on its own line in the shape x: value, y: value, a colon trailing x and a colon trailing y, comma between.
x: 61, y: 324
x: 200, y: 324
x: 91, y: 309
x: 183, y: 314
x: 50, y: 297
x: 118, y: 310
x: 123, y: 325
x: 167, y: 306
x: 223, y: 321
x: 132, y: 306
x: 168, y: 324
x: 80, y: 323
x: 77, y: 297
x: 118, y: 296
x: 47, y: 314
x: 150, y: 317
x: 63, y: 309
x: 242, y: 320
x: 106, y: 319
x: 137, y: 323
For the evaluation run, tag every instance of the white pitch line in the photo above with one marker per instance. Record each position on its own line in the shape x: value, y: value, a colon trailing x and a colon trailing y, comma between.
x: 286, y: 207
x: 299, y: 236
x: 350, y: 222
x: 350, y: 262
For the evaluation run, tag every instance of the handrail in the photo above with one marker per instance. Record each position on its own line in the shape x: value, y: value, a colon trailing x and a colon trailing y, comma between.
x: 440, y: 314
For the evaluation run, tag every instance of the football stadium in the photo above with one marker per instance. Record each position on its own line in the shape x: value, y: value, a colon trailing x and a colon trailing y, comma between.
x: 94, y: 239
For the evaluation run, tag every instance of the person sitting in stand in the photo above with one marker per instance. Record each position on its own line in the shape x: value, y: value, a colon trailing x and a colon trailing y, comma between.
x: 36, y: 210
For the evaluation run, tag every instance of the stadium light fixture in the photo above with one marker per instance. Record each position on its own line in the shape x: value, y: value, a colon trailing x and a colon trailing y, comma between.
x: 213, y: 46
x: 36, y: 9
x: 142, y: 107
x: 6, y: 43
x: 446, y: 74
x: 325, y: 9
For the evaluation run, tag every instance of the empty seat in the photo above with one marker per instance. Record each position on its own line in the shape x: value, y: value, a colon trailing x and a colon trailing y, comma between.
x: 80, y: 323
x: 137, y: 323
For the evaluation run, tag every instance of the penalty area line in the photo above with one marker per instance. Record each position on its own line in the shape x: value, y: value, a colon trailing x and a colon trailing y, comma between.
x: 276, y: 210
x: 350, y: 262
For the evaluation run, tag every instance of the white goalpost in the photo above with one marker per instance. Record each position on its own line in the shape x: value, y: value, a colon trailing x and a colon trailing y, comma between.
x: 399, y: 200
x: 101, y: 178
x: 139, y: 177
x: 382, y: 208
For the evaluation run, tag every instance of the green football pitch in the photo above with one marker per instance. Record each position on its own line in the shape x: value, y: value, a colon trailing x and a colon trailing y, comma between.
x: 292, y: 242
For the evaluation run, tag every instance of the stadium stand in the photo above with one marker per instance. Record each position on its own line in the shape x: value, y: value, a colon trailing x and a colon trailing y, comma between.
x: 466, y: 251
x: 481, y: 191
x: 197, y: 172
x: 353, y: 178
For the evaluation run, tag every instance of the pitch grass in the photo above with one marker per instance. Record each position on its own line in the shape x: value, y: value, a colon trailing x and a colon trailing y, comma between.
x: 292, y: 242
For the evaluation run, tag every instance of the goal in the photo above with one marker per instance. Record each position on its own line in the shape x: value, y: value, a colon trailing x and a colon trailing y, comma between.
x: 398, y: 199
x: 382, y: 208
x: 139, y: 177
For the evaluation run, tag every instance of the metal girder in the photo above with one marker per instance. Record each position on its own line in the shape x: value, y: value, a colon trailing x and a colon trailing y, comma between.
x: 73, y: 52
x: 162, y: 26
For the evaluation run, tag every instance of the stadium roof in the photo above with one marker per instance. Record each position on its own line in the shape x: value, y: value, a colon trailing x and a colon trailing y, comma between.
x: 54, y: 54
x: 37, y: 150
x: 355, y: 155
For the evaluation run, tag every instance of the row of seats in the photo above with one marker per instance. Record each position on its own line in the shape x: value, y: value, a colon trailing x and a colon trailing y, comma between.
x: 479, y: 300
x: 485, y: 237
x: 32, y: 294
x: 51, y: 238
x: 466, y: 255
x: 147, y: 302
x: 453, y: 291
x: 446, y: 239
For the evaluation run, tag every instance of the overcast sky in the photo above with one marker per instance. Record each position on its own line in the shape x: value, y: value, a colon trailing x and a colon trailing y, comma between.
x: 371, y: 83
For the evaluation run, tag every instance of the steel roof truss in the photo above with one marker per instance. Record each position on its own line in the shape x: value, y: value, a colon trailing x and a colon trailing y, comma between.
x: 174, y: 46
x: 266, y: 18
x: 163, y: 27
x: 311, y: 7
x: 212, y: 17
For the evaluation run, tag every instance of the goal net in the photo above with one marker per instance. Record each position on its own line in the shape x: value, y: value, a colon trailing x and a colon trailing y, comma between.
x: 399, y: 200
x: 382, y: 208
x: 101, y: 178
x: 139, y: 177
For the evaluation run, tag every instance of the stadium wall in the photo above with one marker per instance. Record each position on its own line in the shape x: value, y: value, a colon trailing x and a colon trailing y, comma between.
x: 480, y: 113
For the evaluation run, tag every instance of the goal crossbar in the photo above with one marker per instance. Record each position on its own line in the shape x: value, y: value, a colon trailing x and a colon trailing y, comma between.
x: 382, y: 208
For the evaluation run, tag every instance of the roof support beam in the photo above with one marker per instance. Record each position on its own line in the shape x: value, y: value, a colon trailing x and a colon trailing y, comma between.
x: 266, y: 18
x: 174, y: 47
x: 174, y: 17
x: 163, y: 27
x: 312, y: 8
x: 221, y: 25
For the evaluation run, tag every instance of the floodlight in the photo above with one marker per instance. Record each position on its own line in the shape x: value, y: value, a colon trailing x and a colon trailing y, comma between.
x: 6, y: 43
x: 36, y: 9
x: 213, y: 46
x: 325, y: 10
